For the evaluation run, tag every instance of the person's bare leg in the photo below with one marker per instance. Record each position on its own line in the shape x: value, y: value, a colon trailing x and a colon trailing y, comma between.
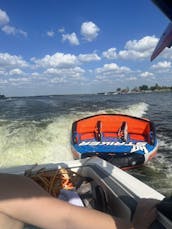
x: 7, y: 222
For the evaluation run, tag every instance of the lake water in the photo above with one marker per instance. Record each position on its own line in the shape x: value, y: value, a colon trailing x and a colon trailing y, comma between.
x: 37, y: 129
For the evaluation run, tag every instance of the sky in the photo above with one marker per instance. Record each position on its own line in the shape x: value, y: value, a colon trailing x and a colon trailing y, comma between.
x: 52, y: 47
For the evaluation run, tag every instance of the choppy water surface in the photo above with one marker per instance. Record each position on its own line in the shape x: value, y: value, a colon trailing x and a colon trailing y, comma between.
x: 37, y: 129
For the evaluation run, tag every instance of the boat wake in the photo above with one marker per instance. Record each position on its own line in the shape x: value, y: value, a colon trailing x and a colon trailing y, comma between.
x: 48, y: 140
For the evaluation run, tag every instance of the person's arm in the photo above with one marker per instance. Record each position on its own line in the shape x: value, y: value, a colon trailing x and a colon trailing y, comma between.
x: 24, y: 200
x: 6, y: 222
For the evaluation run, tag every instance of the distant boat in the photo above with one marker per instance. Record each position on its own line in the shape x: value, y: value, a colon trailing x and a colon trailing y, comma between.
x: 123, y: 140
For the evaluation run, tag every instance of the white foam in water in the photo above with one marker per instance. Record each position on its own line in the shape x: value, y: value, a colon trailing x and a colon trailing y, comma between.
x: 138, y: 110
x: 162, y: 159
x: 30, y: 142
x: 27, y: 143
x: 163, y: 141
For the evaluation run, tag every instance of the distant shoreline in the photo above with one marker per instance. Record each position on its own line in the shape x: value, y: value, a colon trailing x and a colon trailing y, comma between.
x: 134, y: 92
x: 140, y: 89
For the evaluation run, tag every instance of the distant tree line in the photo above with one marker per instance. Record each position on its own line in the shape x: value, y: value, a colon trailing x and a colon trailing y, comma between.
x: 153, y: 88
x: 145, y: 87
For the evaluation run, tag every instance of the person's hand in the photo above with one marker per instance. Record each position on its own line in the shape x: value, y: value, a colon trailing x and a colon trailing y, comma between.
x: 145, y: 213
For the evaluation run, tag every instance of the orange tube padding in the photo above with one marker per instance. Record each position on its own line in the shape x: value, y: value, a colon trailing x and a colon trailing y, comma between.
x: 112, y: 123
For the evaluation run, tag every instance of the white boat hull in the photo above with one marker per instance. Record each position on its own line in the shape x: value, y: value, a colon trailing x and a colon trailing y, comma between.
x: 121, y: 190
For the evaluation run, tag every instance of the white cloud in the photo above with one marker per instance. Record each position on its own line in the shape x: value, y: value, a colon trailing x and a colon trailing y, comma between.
x: 50, y: 33
x: 19, y: 81
x: 89, y: 31
x: 146, y: 74
x: 58, y: 80
x: 167, y: 53
x: 133, y: 50
x: 3, y: 81
x: 113, y: 67
x: 35, y: 74
x: 59, y: 60
x: 65, y: 73
x: 16, y: 71
x: 143, y: 44
x: 72, y: 38
x: 4, y: 19
x: 21, y: 32
x: 61, y: 30
x: 3, y: 72
x: 162, y: 65
x: 110, y: 53
x: 132, y: 78
x: 89, y: 57
x: 112, y: 71
x: 138, y: 49
x: 10, y: 30
x: 132, y: 55
x: 11, y: 61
